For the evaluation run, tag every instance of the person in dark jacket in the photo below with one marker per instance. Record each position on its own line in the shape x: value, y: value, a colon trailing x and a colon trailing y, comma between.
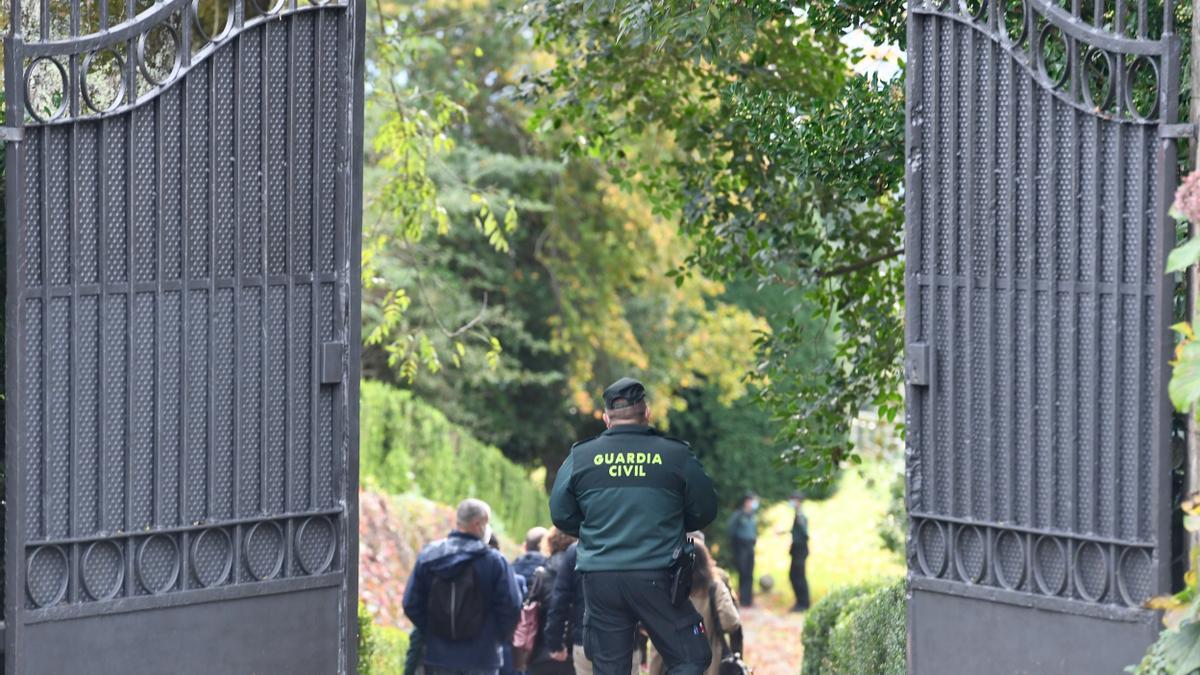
x: 630, y: 494
x: 799, y: 551
x: 528, y: 562
x: 743, y: 534
x: 564, y: 614
x: 495, y: 582
x: 564, y: 617
x: 543, y: 661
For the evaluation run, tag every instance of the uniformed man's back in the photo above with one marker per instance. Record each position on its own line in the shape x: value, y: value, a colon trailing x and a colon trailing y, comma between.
x: 636, y: 493
x: 630, y: 494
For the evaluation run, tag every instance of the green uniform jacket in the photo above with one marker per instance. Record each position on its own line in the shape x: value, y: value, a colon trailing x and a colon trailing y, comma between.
x: 630, y: 494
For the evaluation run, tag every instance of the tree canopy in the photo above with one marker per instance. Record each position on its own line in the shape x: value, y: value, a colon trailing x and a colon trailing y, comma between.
x: 508, y: 282
x: 781, y: 165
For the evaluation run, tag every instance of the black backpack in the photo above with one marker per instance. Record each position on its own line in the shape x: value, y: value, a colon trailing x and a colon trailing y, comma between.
x: 456, y: 606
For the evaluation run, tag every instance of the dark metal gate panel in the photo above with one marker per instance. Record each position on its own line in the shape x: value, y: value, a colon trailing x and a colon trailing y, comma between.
x: 1040, y: 168
x: 183, y: 229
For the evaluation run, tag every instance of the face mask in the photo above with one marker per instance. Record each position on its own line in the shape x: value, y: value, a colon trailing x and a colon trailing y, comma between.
x: 487, y: 533
x: 753, y: 504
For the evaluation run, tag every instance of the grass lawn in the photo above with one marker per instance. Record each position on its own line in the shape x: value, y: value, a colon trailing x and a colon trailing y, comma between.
x: 843, y: 542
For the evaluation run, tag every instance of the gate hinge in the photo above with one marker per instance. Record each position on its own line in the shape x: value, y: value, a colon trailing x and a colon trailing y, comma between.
x: 14, y: 134
x: 332, y: 355
x: 916, y: 364
x: 1187, y: 131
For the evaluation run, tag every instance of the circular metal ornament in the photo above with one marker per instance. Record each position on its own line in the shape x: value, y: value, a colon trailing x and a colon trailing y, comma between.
x: 86, y: 91
x: 205, y: 539
x: 1014, y: 22
x: 255, y: 534
x: 62, y: 105
x: 168, y: 582
x: 175, y: 63
x: 52, y: 560
x: 971, y: 576
x: 1129, y: 75
x: 221, y: 34
x: 90, y: 561
x: 271, y: 9
x: 1001, y: 572
x: 1044, y: 41
x: 1123, y: 584
x: 1090, y: 67
x: 320, y: 524
x: 976, y: 9
x: 923, y: 558
x: 1081, y: 582
x: 1060, y: 550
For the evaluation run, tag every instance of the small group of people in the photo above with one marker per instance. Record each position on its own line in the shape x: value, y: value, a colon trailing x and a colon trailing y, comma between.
x: 625, y: 565
x: 743, y: 537
x: 544, y: 574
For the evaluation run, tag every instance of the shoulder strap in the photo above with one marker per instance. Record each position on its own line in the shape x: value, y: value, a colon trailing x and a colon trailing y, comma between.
x: 583, y: 440
x: 716, y: 615
x: 677, y: 440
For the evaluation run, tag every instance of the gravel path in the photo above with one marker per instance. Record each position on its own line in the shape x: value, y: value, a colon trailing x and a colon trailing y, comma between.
x: 773, y: 641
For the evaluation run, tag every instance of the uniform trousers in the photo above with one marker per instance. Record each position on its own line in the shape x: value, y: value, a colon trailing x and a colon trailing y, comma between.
x: 616, y: 602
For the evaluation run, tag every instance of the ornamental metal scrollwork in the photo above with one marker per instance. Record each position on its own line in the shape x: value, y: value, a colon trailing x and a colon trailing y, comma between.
x: 1062, y: 566
x: 133, y: 60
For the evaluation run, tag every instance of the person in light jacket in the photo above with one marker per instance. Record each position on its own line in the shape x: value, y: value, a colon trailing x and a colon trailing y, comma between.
x: 707, y: 585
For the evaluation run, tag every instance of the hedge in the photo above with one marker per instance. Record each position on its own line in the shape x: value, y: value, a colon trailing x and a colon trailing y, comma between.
x: 381, y: 649
x: 407, y: 445
x: 857, y: 629
x: 871, y: 635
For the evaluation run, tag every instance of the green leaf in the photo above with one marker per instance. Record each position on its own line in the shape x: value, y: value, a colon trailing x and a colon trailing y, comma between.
x: 1184, y: 255
x: 1184, y: 387
x: 1181, y: 648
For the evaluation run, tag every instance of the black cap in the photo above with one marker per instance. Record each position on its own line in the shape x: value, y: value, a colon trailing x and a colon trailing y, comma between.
x: 623, y: 393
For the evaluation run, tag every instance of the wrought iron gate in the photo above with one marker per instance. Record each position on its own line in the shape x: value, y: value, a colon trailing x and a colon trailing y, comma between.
x: 1041, y: 165
x: 182, y: 328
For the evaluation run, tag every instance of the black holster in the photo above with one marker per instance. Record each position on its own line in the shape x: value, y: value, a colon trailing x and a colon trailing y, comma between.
x: 683, y: 566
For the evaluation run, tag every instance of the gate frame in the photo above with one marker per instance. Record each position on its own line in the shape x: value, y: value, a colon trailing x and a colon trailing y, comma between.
x: 916, y: 361
x: 12, y: 135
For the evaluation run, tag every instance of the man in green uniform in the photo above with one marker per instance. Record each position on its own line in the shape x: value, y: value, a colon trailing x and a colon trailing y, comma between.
x: 630, y: 494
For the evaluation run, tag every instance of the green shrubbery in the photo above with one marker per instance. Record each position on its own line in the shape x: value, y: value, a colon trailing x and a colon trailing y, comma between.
x: 857, y: 629
x: 381, y: 649
x: 407, y: 445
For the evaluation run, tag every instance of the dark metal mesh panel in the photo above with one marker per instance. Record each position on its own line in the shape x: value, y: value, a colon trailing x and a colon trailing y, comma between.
x: 182, y: 258
x: 1036, y: 330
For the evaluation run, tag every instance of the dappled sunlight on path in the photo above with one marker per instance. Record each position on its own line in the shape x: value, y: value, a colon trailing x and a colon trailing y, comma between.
x: 773, y: 644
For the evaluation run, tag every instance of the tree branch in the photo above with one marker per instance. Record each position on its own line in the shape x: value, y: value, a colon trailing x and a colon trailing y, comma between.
x: 861, y: 264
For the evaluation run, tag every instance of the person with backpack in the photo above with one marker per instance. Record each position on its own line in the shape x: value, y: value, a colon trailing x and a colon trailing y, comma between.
x: 713, y: 599
x: 463, y: 598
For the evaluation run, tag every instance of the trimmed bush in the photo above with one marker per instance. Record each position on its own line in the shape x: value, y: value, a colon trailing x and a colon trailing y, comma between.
x: 870, y: 636
x: 381, y: 649
x: 857, y: 629
x: 366, y: 644
x: 409, y: 446
x: 819, y: 625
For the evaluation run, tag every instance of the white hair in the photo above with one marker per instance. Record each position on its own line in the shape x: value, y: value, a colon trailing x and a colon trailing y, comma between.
x: 471, y: 511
